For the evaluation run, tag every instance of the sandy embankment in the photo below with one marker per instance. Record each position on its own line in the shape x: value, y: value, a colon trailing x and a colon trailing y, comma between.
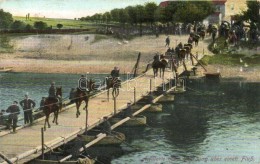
x: 76, y: 54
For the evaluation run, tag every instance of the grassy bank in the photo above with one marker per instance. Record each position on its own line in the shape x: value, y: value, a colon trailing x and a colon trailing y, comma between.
x: 244, y: 54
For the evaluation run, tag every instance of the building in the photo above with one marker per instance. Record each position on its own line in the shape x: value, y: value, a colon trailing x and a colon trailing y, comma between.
x: 224, y: 9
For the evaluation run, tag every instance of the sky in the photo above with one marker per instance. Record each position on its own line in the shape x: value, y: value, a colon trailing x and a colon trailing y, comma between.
x: 65, y: 8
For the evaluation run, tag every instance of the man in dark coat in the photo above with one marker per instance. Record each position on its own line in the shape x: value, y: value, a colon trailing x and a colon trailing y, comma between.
x: 42, y: 103
x: 27, y: 105
x: 106, y: 126
x: 13, y: 116
x: 167, y: 40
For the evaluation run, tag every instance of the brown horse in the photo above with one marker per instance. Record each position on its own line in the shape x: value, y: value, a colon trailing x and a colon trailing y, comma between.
x: 83, y: 95
x: 115, y: 84
x: 159, y: 64
x: 181, y: 55
x: 52, y: 105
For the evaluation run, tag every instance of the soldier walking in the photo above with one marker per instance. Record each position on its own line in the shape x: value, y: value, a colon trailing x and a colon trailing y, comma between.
x: 13, y: 116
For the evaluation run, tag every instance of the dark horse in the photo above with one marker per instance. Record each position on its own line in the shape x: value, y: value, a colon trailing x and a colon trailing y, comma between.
x: 52, y: 105
x: 115, y: 84
x: 83, y: 95
x: 159, y: 64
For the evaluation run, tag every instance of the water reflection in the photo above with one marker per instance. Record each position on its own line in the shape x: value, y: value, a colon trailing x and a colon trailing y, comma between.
x: 208, y: 123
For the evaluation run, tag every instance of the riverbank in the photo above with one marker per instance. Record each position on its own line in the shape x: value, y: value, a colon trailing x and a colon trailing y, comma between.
x: 80, y: 54
x: 234, y: 73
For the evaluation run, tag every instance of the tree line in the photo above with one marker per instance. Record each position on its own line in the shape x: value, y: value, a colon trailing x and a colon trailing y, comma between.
x: 150, y: 13
x: 8, y: 23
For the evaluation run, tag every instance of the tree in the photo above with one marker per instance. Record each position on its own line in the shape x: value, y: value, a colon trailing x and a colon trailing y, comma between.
x: 59, y: 26
x: 115, y: 15
x: 140, y: 12
x: 186, y: 11
x: 107, y: 17
x: 18, y: 25
x: 6, y: 19
x: 123, y: 16
x: 252, y: 13
x: 150, y: 9
x: 167, y: 13
x: 40, y: 25
x: 28, y: 27
x: 132, y: 15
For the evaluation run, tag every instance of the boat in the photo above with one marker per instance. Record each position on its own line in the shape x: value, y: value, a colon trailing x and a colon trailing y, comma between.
x: 155, y: 107
x: 138, y: 120
x: 166, y: 98
x: 85, y: 160
x: 5, y: 69
x: 212, y: 77
x: 116, y: 138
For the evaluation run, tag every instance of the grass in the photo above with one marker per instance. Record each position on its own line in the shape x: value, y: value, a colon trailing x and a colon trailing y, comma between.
x: 67, y: 23
x: 231, y: 56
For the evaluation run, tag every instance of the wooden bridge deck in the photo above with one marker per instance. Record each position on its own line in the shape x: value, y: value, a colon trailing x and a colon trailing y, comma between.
x: 25, y: 145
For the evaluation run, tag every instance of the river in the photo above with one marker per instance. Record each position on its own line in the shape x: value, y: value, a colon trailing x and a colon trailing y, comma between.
x: 13, y: 86
x: 209, y: 123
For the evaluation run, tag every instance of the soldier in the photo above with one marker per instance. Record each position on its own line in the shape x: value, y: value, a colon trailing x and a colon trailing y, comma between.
x: 106, y: 126
x: 13, y: 116
x: 52, y: 90
x: 167, y: 40
x: 115, y: 73
x: 42, y: 103
x: 27, y: 105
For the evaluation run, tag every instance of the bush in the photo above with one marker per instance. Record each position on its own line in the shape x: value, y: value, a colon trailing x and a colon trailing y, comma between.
x: 40, y: 25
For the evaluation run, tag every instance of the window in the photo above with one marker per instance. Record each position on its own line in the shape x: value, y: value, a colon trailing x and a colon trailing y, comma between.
x: 232, y: 6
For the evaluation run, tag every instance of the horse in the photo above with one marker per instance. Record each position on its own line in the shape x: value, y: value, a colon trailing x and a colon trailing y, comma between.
x: 202, y: 34
x: 83, y: 95
x: 52, y: 105
x: 159, y: 64
x: 115, y: 84
x: 188, y: 48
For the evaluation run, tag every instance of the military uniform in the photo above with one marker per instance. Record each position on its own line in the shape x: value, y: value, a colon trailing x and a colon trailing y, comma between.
x: 13, y: 116
x: 27, y: 105
x: 52, y: 92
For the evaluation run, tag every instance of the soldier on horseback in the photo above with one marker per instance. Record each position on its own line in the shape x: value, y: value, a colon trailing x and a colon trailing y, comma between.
x: 52, y: 91
x: 115, y: 73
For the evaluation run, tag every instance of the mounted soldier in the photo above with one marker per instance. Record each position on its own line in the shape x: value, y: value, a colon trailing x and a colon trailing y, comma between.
x: 52, y: 91
x: 115, y: 73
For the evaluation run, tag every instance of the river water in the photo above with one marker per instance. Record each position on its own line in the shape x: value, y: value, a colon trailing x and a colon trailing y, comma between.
x: 210, y: 123
x: 13, y: 86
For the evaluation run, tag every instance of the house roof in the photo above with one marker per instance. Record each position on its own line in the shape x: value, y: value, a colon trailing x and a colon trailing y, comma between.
x: 219, y: 2
x: 164, y: 4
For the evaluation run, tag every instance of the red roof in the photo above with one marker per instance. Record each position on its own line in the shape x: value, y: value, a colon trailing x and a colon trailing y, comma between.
x: 164, y: 4
x: 219, y: 2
